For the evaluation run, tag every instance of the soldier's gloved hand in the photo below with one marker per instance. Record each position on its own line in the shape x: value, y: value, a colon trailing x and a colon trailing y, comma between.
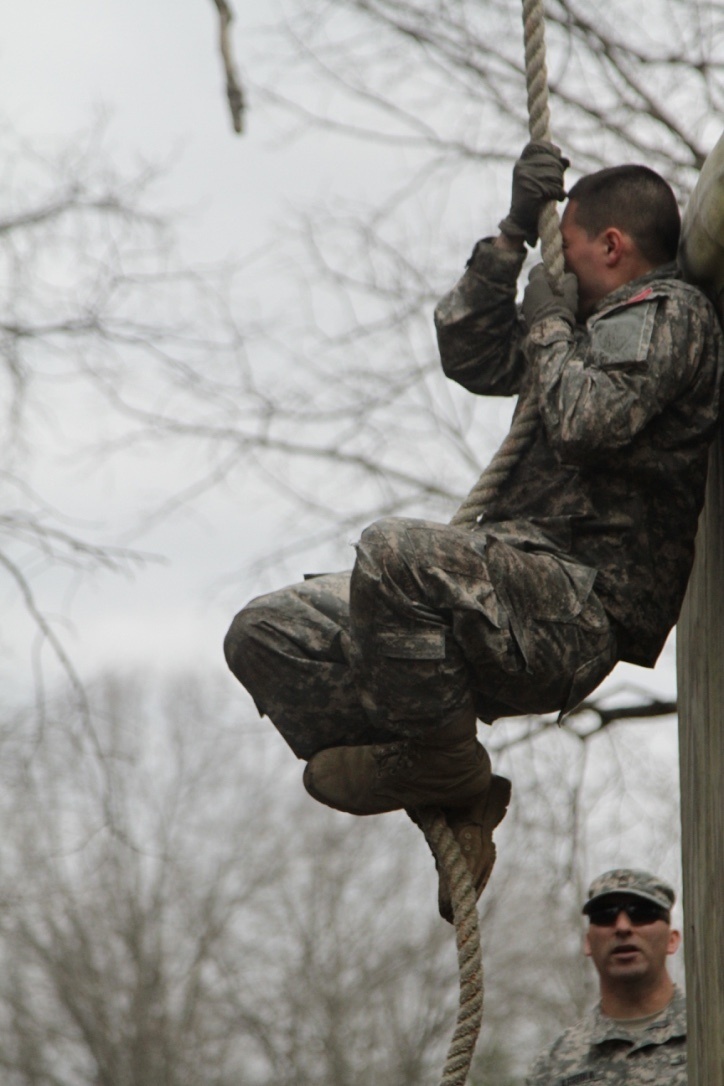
x: 537, y: 179
x: 539, y: 299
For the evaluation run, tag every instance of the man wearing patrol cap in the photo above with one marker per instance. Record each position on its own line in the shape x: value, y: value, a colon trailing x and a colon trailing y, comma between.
x: 637, y: 1033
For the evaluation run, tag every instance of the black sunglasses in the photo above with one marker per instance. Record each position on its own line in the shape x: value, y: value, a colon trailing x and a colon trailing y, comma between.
x: 638, y: 912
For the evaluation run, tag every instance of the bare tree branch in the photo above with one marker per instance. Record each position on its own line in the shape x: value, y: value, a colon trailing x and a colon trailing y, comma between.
x: 234, y: 91
x: 590, y: 717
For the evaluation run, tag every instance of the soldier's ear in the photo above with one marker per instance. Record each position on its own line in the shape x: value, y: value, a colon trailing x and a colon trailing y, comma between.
x: 587, y: 946
x: 614, y: 244
x: 674, y: 941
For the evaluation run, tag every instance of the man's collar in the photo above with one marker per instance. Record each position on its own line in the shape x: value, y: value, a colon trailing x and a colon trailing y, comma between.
x: 672, y: 1023
x: 636, y: 286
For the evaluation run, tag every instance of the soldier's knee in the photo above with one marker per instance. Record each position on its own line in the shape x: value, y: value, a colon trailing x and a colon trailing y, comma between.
x: 234, y: 637
x: 385, y: 543
x: 242, y: 632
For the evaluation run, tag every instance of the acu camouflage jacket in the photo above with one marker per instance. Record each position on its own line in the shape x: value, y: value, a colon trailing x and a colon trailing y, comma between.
x: 599, y: 1050
x: 614, y: 476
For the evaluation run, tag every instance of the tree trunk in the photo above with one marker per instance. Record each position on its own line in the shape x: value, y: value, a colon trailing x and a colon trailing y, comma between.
x: 700, y: 667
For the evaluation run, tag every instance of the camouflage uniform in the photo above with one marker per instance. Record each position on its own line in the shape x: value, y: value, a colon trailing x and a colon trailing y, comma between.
x: 601, y: 1050
x: 583, y: 560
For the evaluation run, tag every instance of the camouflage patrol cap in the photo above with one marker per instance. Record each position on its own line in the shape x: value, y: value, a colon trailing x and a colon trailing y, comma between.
x: 633, y: 883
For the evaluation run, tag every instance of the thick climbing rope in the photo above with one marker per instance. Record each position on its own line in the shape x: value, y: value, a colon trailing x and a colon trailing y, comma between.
x: 525, y: 419
x: 439, y: 836
x: 450, y: 860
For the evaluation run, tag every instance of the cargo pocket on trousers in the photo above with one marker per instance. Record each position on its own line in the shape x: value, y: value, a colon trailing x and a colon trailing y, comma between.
x: 412, y: 644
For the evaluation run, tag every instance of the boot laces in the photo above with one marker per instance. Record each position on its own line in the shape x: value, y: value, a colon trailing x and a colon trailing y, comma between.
x: 391, y: 758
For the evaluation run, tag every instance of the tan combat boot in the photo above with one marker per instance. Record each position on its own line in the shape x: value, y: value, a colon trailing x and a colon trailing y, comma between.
x: 472, y: 827
x: 445, y: 768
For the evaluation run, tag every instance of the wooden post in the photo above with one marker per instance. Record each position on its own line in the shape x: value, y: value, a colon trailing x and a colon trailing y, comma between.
x: 700, y: 669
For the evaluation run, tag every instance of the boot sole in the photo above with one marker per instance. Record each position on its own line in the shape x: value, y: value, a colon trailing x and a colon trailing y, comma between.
x: 346, y: 808
x: 379, y: 804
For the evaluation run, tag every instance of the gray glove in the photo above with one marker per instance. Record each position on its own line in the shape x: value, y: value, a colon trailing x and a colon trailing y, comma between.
x: 537, y: 179
x: 540, y: 301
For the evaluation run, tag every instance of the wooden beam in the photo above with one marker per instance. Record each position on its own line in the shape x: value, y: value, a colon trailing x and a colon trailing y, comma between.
x: 700, y: 669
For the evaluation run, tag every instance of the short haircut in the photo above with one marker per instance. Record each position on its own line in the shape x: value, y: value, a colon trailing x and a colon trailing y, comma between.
x: 634, y: 199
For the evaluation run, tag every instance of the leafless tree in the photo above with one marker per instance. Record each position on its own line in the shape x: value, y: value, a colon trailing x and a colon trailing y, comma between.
x: 223, y: 931
x: 101, y: 319
x: 230, y: 929
x: 399, y: 67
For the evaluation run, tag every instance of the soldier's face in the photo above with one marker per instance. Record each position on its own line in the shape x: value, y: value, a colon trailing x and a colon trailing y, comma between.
x: 586, y: 257
x: 625, y: 950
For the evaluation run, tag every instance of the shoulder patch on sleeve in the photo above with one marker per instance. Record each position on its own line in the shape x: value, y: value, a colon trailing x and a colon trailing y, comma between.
x: 623, y: 336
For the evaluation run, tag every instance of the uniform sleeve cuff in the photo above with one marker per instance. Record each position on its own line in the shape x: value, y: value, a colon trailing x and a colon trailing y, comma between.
x: 505, y: 264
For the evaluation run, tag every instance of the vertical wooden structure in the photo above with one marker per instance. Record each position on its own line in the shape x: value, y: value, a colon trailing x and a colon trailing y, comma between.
x: 700, y: 666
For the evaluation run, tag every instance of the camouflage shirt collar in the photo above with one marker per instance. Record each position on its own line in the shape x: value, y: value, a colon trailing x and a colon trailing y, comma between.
x: 637, y: 286
x: 671, y: 1024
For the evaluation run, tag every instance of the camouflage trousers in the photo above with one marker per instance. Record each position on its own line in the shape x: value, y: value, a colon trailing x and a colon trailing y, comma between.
x: 430, y: 620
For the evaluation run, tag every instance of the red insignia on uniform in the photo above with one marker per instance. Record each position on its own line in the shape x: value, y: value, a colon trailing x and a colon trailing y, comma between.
x: 640, y: 296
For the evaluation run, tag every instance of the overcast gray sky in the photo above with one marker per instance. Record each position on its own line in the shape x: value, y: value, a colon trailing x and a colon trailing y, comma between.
x: 155, y: 72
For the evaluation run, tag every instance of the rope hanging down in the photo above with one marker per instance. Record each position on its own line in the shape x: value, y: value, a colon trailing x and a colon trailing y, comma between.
x: 449, y: 859
x: 433, y: 822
